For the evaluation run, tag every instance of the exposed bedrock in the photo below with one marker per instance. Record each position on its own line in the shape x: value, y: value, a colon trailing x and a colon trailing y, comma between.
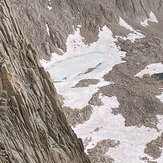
x: 32, y: 127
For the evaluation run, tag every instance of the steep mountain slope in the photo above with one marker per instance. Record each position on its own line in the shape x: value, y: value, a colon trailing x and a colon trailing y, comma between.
x: 109, y: 75
x: 60, y: 16
x: 32, y: 127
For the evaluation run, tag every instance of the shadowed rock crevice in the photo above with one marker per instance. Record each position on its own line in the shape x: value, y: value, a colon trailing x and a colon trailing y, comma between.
x: 33, y: 128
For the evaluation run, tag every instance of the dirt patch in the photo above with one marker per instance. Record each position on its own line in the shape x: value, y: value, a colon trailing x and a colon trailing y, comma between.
x: 89, y: 70
x: 98, y: 153
x: 95, y: 99
x: 77, y: 116
x: 87, y: 82
x: 146, y: 159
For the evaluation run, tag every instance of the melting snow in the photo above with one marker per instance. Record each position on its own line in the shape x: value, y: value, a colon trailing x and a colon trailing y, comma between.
x: 49, y: 7
x: 124, y: 24
x: 160, y: 127
x: 101, y: 57
x: 69, y: 69
x: 160, y: 97
x: 80, y: 96
x: 132, y: 139
x: 47, y: 29
x: 131, y: 36
x: 151, y: 18
x: 151, y: 69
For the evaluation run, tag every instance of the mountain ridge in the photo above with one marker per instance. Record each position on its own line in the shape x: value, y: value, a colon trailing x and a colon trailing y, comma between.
x: 33, y: 127
x: 104, y: 58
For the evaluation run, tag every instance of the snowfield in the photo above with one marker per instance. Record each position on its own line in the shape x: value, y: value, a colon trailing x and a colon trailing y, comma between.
x: 69, y: 69
x: 131, y: 36
x: 100, y: 57
x: 152, y: 18
x: 132, y: 139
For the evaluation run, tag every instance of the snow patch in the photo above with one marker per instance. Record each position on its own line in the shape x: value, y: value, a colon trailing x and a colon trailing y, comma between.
x: 100, y: 56
x: 80, y: 96
x: 151, y: 69
x: 49, y: 7
x: 67, y: 70
x: 160, y: 97
x: 131, y: 36
x: 132, y: 142
x: 125, y: 25
x: 47, y: 29
x: 151, y: 18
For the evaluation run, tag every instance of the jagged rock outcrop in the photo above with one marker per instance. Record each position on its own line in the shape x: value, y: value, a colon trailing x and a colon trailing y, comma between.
x: 33, y: 129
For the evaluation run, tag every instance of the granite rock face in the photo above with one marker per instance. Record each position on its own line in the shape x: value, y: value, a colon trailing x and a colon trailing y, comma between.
x: 47, y: 25
x: 32, y: 127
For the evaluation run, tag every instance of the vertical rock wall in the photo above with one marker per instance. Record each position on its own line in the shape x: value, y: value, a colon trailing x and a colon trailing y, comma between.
x: 32, y: 127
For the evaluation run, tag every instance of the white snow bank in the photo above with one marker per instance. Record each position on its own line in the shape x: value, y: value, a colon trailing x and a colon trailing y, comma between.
x: 151, y: 69
x: 151, y: 18
x: 47, y: 29
x: 132, y: 139
x: 160, y: 97
x: 125, y: 25
x: 70, y: 68
x: 160, y: 127
x: 101, y: 55
x: 49, y: 7
x: 80, y: 96
x: 160, y: 122
x: 131, y: 36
